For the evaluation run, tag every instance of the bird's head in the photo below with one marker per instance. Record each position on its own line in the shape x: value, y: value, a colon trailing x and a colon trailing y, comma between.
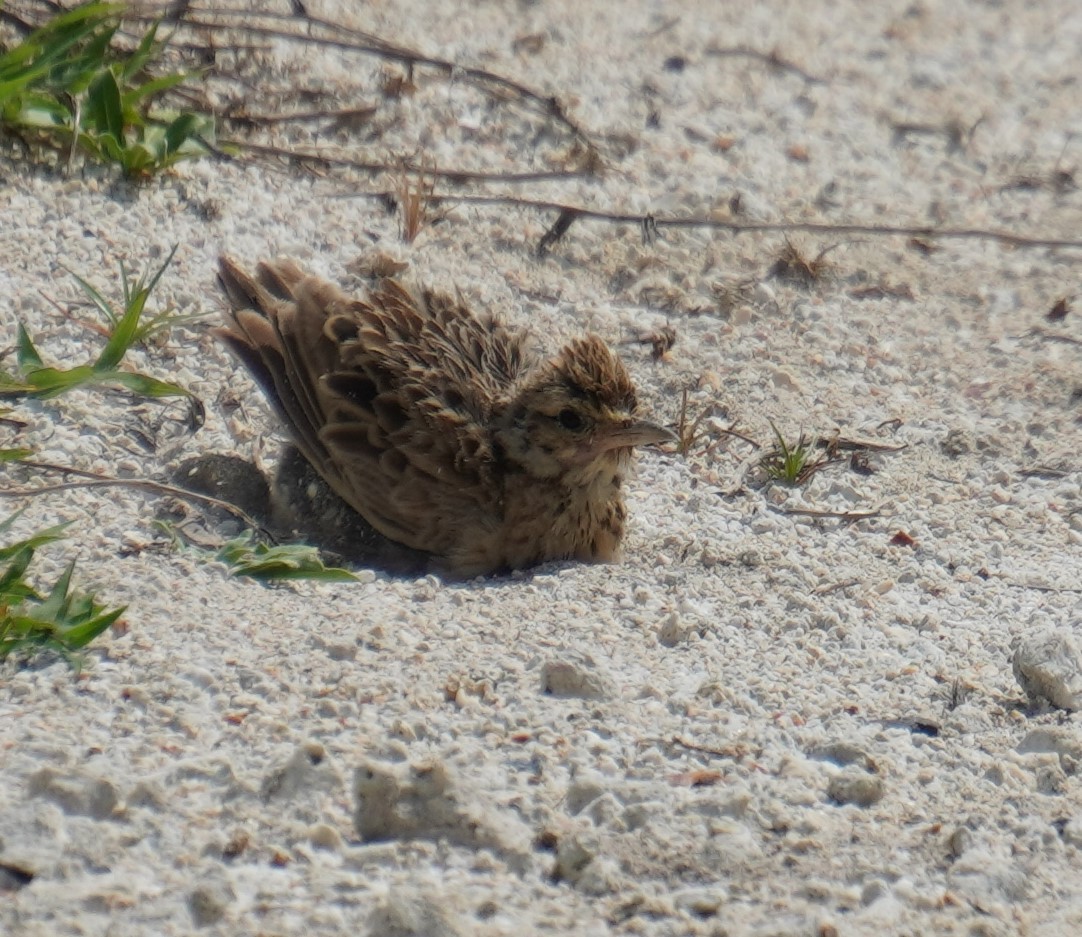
x: 576, y: 417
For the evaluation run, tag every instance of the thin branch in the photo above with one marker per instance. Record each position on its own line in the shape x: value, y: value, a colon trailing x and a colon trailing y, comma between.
x: 1053, y: 337
x: 1041, y: 587
x: 94, y: 480
x: 832, y: 587
x: 848, y: 517
x: 1045, y: 471
x: 559, y: 228
x: 304, y: 117
x: 772, y: 58
x: 364, y: 43
x: 454, y: 176
x: 751, y: 227
x: 703, y: 749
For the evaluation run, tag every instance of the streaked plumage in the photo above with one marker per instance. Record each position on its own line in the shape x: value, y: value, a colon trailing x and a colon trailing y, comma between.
x: 437, y: 425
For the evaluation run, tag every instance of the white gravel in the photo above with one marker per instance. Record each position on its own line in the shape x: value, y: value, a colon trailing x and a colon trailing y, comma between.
x: 756, y: 723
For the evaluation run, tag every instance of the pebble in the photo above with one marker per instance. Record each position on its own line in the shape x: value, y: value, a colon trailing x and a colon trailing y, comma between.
x: 575, y: 677
x: 1048, y: 667
x: 853, y: 785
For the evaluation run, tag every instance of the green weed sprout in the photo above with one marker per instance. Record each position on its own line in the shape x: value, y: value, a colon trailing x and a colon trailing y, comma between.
x: 61, y: 621
x: 287, y: 561
x: 38, y: 380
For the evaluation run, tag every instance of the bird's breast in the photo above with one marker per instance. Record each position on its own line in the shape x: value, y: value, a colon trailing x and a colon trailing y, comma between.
x: 547, y: 521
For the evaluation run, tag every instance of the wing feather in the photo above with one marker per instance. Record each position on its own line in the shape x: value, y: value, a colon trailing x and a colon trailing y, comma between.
x: 388, y: 398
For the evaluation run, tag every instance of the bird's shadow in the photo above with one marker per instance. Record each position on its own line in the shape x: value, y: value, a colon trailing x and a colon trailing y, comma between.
x: 298, y: 506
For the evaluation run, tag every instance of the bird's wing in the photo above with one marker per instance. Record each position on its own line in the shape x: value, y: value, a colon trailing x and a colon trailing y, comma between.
x: 388, y: 399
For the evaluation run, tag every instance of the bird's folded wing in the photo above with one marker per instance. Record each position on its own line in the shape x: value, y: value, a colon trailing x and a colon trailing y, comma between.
x: 388, y: 399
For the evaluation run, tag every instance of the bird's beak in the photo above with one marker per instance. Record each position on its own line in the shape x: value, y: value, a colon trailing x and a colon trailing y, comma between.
x: 629, y: 433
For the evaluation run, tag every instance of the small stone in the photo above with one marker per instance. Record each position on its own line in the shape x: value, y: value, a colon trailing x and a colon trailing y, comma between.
x: 583, y: 791
x: 207, y: 903
x: 75, y: 794
x: 573, y: 855
x: 1056, y: 740
x: 308, y: 770
x: 424, y: 801
x: 784, y: 379
x: 673, y: 631
x: 325, y: 836
x: 855, y: 786
x: 574, y: 677
x: 873, y: 890
x: 1072, y: 832
x: 958, y: 443
x: 340, y: 650
x: 405, y: 913
x: 959, y: 841
x: 1048, y: 667
x: 703, y: 902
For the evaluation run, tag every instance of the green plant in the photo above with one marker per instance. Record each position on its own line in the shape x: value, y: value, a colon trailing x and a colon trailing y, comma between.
x: 68, y: 85
x: 287, y: 561
x: 61, y: 621
x: 792, y: 464
x: 135, y: 298
x: 125, y: 328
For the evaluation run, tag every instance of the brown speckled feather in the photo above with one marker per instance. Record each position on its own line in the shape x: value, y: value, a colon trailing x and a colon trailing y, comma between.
x: 435, y: 424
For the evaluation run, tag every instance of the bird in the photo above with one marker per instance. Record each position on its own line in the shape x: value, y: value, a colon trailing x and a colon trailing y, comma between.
x: 439, y: 426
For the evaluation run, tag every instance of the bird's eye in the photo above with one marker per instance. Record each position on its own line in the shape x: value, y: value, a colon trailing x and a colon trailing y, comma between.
x: 569, y: 419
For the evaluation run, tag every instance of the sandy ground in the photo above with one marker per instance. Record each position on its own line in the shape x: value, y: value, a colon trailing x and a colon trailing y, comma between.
x: 758, y: 722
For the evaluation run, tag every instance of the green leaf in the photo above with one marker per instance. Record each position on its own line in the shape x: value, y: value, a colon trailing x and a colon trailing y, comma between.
x: 8, y: 522
x: 11, y: 386
x: 73, y: 57
x: 81, y: 73
x: 137, y: 61
x: 51, y: 382
x: 76, y: 22
x: 41, y: 112
x: 15, y: 455
x: 13, y: 574
x: 158, y: 274
x: 181, y: 131
x: 142, y: 384
x: 288, y: 561
x: 155, y: 86
x: 111, y: 148
x: 103, y: 111
x: 95, y: 297
x: 138, y: 160
x: 82, y: 634
x: 122, y: 337
x: 25, y: 352
x: 55, y: 604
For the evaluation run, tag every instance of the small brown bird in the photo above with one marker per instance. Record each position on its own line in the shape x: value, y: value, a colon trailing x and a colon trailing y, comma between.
x: 438, y: 426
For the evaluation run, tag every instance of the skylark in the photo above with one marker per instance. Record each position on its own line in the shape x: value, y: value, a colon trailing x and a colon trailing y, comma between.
x: 437, y: 425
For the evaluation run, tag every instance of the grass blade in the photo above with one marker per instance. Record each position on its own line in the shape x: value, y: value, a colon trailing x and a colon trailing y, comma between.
x: 15, y: 455
x: 95, y: 297
x: 141, y: 384
x: 11, y: 579
x: 141, y: 56
x: 51, y: 382
x: 80, y: 635
x: 25, y: 352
